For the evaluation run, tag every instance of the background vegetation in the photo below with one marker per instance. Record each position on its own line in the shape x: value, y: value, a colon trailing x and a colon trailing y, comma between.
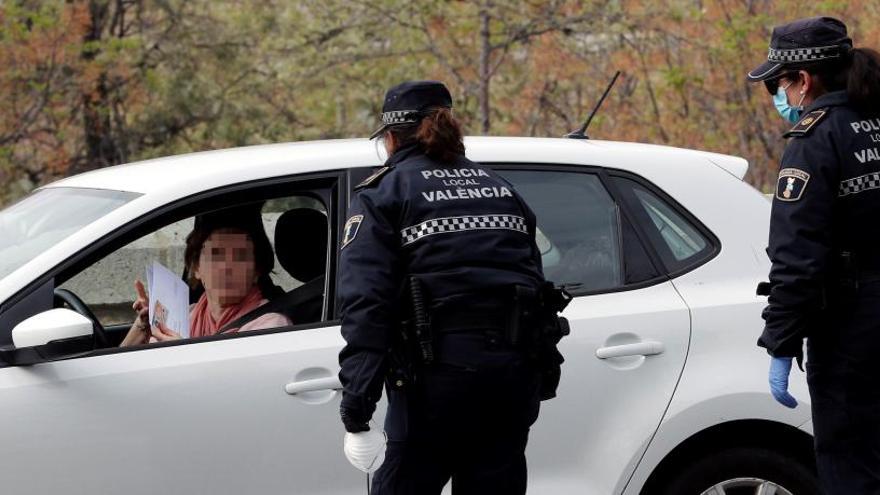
x: 90, y: 83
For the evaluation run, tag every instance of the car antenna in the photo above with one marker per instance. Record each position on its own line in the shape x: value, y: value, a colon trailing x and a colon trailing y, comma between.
x: 581, y: 133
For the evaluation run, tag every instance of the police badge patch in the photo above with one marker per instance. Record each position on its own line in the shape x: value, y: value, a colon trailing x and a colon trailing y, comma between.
x: 351, y: 229
x: 791, y: 185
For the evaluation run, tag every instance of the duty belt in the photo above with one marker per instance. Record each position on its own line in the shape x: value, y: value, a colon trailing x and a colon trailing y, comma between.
x: 448, y: 320
x: 866, y: 277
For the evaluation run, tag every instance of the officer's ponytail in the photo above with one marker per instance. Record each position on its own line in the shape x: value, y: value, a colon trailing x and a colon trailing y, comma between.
x: 439, y: 134
x: 863, y: 80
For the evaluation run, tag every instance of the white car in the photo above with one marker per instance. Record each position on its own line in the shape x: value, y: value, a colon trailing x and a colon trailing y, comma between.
x: 663, y: 389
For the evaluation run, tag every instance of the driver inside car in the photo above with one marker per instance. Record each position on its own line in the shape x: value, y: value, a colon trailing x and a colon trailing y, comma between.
x: 228, y: 258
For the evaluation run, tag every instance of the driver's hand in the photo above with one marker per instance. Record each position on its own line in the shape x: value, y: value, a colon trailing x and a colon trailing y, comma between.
x: 163, y: 334
x: 141, y: 304
x: 139, y: 333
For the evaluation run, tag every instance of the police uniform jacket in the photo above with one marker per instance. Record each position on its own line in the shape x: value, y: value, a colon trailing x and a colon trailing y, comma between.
x: 826, y: 203
x: 458, y: 226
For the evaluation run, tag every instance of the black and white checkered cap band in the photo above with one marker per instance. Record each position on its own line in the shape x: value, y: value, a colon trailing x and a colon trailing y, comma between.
x: 460, y: 224
x: 859, y: 184
x: 400, y: 117
x: 790, y: 55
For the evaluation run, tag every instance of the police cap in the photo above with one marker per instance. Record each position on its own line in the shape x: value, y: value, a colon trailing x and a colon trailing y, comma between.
x: 408, y: 102
x: 801, y: 43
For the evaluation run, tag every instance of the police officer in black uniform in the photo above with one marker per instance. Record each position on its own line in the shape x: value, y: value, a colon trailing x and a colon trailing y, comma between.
x: 825, y: 244
x: 442, y: 295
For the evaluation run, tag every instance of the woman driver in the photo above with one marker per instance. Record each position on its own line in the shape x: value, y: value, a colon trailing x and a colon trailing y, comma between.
x: 229, y: 256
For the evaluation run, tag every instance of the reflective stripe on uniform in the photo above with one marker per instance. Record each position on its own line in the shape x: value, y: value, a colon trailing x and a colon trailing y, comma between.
x: 461, y: 224
x: 859, y: 184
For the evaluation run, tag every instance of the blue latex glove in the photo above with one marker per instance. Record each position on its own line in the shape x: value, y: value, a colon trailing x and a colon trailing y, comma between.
x: 780, y: 368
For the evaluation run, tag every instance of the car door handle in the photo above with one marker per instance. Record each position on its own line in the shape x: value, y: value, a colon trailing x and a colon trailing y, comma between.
x: 638, y: 349
x: 314, y: 385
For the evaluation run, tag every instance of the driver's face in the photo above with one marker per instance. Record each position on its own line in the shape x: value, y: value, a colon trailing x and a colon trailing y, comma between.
x: 226, y: 266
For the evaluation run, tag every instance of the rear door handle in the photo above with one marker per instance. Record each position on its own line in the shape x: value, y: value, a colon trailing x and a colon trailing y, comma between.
x: 314, y: 385
x: 626, y: 350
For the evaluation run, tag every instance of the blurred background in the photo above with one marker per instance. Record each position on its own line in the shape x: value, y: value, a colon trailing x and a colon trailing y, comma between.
x: 86, y: 84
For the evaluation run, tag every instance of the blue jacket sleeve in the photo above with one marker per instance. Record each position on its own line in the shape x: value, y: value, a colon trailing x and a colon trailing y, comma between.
x: 370, y: 279
x: 800, y: 246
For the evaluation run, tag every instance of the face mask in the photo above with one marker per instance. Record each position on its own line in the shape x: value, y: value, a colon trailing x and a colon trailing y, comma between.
x: 788, y: 112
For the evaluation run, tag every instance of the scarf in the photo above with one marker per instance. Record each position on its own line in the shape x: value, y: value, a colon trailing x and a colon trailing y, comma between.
x: 202, y: 324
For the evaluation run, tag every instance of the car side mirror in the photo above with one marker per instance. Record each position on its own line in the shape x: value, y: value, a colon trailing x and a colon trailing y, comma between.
x: 49, y: 335
x: 49, y: 326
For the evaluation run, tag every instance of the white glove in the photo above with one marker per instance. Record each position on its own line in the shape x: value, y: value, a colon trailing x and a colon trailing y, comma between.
x: 365, y: 450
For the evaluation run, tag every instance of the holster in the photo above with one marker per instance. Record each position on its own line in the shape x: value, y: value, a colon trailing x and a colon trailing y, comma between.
x: 533, y: 326
x: 536, y: 327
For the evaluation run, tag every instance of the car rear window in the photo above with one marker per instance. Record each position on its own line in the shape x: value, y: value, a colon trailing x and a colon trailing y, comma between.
x: 677, y: 239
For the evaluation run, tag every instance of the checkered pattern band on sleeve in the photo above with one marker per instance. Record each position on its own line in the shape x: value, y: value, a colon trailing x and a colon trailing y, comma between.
x: 790, y: 55
x: 461, y: 224
x: 400, y: 117
x: 859, y: 184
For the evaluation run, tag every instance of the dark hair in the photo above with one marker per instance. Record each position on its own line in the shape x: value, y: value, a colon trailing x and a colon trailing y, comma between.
x: 858, y: 72
x: 439, y: 134
x: 863, y: 84
x: 264, y: 259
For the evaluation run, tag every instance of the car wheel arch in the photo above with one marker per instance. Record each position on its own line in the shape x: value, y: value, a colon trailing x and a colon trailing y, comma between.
x: 754, y: 433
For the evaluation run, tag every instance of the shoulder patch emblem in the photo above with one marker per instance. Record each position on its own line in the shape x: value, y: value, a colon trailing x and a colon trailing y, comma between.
x: 373, y: 179
x: 791, y: 185
x: 352, y: 226
x: 806, y: 124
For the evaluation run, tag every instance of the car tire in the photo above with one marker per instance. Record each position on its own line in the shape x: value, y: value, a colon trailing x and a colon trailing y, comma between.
x: 746, y: 467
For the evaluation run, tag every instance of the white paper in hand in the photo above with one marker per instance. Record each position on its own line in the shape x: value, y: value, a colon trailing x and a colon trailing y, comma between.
x: 169, y: 299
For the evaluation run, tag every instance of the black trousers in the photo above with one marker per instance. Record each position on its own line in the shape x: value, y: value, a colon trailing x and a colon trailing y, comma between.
x: 466, y: 419
x: 843, y: 373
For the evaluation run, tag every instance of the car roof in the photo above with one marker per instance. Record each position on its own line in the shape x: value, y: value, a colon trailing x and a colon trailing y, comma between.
x: 186, y: 174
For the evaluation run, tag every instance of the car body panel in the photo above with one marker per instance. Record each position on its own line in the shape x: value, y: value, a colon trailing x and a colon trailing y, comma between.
x: 206, y: 417
x: 568, y: 448
x: 725, y: 378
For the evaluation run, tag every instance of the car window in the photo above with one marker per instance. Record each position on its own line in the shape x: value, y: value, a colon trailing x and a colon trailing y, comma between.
x: 678, y: 241
x: 578, y: 227
x: 107, y: 286
x: 42, y: 219
x: 298, y: 224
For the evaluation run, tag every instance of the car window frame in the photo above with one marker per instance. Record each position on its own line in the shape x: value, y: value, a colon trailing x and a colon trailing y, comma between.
x: 623, y: 213
x: 336, y: 182
x: 651, y: 237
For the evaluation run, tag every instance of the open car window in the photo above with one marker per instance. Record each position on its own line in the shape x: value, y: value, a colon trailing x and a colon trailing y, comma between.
x: 298, y: 231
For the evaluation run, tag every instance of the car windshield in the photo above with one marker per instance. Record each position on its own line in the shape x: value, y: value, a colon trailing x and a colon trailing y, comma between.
x: 48, y: 216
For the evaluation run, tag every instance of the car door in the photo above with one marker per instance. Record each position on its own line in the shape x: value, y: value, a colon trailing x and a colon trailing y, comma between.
x: 629, y: 333
x: 207, y: 417
x: 254, y: 412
